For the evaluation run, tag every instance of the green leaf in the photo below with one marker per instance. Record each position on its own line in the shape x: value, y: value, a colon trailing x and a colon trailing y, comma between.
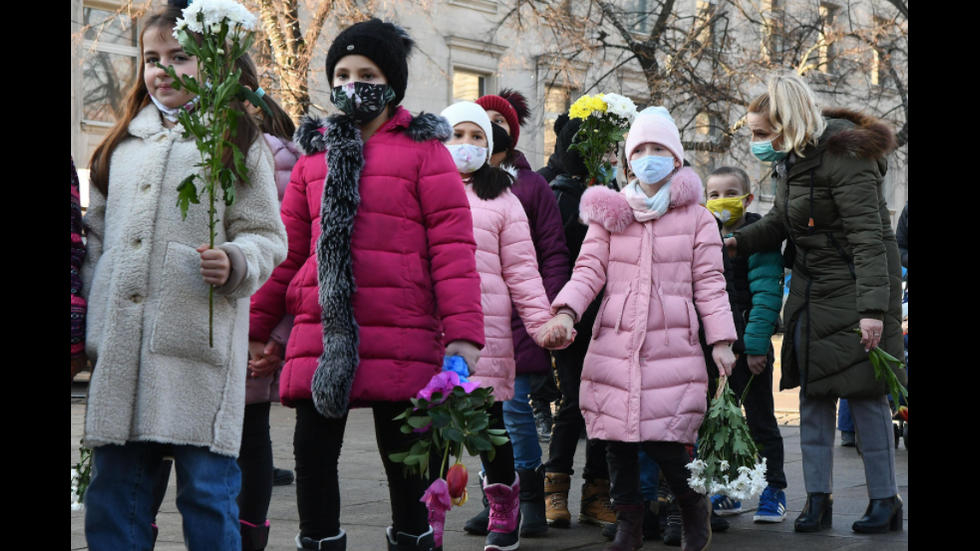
x: 455, y: 435
x: 248, y: 95
x: 419, y: 422
x: 187, y: 195
x: 398, y: 457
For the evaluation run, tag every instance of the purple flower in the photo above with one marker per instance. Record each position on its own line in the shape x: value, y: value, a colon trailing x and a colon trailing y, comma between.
x: 437, y: 498
x: 445, y: 383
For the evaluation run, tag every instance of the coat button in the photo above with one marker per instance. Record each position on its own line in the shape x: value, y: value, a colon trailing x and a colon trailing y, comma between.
x: 137, y: 299
x: 146, y: 188
x: 138, y: 245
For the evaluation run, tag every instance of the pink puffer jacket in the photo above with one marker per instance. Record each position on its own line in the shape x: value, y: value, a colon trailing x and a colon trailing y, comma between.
x: 645, y: 378
x: 266, y: 389
x: 508, y: 266
x: 402, y: 232
x: 286, y: 155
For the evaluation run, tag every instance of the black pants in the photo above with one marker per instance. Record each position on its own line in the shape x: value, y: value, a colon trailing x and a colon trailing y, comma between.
x: 501, y: 469
x: 544, y: 389
x: 624, y: 468
x: 760, y: 414
x: 569, y: 422
x: 255, y: 462
x: 317, y: 446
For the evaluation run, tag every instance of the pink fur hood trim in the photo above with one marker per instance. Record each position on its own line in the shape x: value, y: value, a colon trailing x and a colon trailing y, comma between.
x: 601, y: 205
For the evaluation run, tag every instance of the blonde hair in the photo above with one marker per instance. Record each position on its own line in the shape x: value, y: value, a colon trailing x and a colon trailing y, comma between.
x: 793, y: 111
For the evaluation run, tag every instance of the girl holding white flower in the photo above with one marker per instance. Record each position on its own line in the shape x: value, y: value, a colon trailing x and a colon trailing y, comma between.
x: 158, y: 388
x: 645, y: 381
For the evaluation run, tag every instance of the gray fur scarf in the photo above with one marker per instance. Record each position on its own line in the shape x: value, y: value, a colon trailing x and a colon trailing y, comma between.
x: 337, y: 368
x: 341, y: 336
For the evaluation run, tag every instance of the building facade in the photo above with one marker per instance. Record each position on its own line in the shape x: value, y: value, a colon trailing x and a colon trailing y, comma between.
x: 464, y: 51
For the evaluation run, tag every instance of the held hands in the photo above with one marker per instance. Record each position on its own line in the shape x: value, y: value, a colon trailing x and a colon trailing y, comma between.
x: 758, y: 364
x: 724, y: 358
x: 264, y: 359
x: 871, y: 331
x: 466, y: 350
x: 215, y: 265
x: 557, y: 333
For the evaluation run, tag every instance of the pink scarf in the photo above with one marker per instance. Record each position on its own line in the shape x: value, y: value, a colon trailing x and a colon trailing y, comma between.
x: 646, y: 208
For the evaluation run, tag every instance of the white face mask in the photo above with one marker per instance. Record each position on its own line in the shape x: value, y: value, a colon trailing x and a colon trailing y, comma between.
x: 469, y: 158
x: 653, y: 169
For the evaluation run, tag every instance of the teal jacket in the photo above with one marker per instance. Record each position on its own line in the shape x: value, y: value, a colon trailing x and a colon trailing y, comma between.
x: 766, y: 277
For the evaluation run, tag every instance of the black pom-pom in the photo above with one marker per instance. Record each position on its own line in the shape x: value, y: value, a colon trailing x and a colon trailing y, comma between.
x: 407, y: 41
x: 561, y: 122
x: 518, y: 101
x: 179, y: 4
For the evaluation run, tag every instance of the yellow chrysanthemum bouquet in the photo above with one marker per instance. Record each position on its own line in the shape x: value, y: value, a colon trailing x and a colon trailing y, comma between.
x: 606, y: 119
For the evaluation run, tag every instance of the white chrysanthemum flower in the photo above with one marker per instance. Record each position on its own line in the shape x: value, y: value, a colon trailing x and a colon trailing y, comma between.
x: 620, y: 106
x: 725, y: 465
x: 209, y: 15
x: 75, y: 504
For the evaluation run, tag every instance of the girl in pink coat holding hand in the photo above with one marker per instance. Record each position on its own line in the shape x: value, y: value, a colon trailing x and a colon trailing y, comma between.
x: 658, y: 253
x: 508, y: 266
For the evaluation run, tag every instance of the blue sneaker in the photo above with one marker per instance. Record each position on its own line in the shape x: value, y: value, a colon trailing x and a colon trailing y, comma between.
x: 725, y: 506
x: 772, y: 507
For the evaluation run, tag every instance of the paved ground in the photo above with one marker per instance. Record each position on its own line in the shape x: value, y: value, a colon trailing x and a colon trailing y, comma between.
x: 366, y: 514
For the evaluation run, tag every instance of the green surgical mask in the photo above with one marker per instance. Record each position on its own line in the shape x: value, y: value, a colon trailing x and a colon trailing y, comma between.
x: 765, y: 152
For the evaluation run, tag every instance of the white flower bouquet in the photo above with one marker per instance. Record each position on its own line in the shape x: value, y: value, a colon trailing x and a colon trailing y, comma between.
x: 216, y: 33
x: 728, y: 458
x: 81, y: 477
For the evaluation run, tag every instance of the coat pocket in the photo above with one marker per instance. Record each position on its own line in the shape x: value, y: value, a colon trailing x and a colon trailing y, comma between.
x: 597, y: 326
x: 695, y: 325
x: 181, y: 328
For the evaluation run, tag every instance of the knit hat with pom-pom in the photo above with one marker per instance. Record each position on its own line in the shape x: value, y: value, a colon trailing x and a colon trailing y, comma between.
x: 386, y: 44
x: 513, y: 106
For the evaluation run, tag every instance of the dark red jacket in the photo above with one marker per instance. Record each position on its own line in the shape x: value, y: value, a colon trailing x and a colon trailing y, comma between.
x: 548, y: 235
x: 78, y: 306
x: 413, y: 254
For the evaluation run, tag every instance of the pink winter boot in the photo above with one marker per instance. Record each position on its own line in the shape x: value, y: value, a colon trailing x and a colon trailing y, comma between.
x: 505, y: 516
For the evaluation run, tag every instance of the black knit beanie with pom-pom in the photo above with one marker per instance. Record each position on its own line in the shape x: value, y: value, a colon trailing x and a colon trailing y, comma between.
x: 572, y: 160
x: 386, y: 44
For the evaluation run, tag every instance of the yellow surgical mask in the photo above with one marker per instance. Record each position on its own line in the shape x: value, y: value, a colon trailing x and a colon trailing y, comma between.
x: 729, y: 210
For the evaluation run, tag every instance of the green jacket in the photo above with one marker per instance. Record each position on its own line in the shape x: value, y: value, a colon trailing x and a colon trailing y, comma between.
x: 831, y: 206
x: 766, y: 276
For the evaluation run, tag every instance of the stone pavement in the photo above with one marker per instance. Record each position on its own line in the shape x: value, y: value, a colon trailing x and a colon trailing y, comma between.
x: 366, y: 513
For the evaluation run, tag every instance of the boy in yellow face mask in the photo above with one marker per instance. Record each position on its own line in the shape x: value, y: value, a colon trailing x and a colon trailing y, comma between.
x: 759, y: 286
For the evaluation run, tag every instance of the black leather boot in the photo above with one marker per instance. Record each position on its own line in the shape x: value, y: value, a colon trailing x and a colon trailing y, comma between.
x: 883, y: 515
x: 337, y: 543
x: 532, y: 504
x: 629, y: 532
x: 817, y: 515
x: 480, y: 524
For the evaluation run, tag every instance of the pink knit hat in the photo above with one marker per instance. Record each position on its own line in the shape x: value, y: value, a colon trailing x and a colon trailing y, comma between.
x: 655, y: 125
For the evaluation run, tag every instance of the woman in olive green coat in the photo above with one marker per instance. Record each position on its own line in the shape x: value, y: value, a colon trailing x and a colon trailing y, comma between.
x: 847, y: 275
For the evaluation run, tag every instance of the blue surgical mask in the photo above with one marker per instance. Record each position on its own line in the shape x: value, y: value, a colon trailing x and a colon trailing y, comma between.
x: 653, y: 169
x: 765, y: 152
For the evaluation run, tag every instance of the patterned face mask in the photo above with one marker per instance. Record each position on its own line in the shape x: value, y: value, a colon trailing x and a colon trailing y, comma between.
x: 362, y: 101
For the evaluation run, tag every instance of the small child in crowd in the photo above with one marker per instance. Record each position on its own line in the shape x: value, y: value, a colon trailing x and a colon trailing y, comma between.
x: 159, y: 388
x: 645, y: 381
x: 759, y: 294
x: 508, y: 268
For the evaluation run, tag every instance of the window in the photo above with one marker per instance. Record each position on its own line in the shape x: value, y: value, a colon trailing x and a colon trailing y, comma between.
x: 880, y: 60
x: 557, y: 101
x: 774, y: 27
x: 638, y: 15
x: 110, y: 65
x: 468, y: 86
x: 706, y: 21
x: 828, y: 32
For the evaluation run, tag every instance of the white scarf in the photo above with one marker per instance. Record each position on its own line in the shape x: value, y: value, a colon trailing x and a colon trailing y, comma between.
x: 173, y: 115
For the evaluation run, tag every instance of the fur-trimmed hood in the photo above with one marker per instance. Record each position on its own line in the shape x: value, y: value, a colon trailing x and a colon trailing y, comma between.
x: 311, y: 135
x: 604, y: 206
x: 868, y: 138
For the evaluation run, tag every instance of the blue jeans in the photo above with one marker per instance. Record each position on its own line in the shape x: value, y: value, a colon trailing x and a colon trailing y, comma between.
x: 649, y: 477
x: 519, y: 419
x: 119, y: 502
x: 845, y: 423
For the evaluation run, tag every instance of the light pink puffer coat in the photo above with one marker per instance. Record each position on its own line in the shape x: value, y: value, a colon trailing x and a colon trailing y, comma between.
x: 645, y: 378
x: 508, y: 266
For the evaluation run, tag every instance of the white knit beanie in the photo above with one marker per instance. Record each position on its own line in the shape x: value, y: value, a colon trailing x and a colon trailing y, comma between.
x: 467, y: 111
x: 655, y: 125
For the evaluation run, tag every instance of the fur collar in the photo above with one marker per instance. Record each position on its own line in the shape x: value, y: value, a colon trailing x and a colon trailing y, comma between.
x: 311, y: 134
x: 601, y: 205
x: 868, y: 138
